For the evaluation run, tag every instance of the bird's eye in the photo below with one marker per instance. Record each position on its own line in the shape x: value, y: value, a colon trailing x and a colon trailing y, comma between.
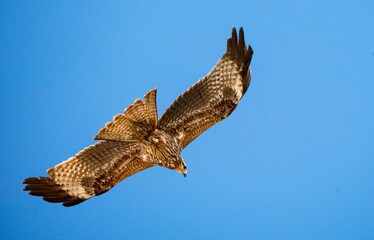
x: 154, y: 139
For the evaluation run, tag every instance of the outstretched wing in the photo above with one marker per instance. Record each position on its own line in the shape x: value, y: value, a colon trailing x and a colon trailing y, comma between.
x: 93, y: 171
x: 98, y: 168
x: 213, y: 97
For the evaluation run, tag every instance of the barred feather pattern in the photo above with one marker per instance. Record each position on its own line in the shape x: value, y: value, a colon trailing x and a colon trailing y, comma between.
x: 214, y: 97
x: 137, y: 121
x: 136, y: 140
x: 93, y: 171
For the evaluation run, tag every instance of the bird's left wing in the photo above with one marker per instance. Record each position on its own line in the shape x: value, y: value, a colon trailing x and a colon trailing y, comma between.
x: 213, y: 97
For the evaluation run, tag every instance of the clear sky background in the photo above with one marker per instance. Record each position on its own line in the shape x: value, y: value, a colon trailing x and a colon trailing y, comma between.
x: 294, y: 161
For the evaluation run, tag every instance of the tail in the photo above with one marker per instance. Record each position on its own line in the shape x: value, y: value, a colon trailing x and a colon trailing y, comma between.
x: 141, y: 116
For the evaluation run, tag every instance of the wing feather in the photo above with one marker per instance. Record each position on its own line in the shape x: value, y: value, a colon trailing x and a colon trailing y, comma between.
x: 213, y: 97
x: 93, y: 171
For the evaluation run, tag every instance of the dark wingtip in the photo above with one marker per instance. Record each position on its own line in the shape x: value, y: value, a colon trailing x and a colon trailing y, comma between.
x: 234, y: 37
x: 249, y: 54
x: 73, y: 203
x: 50, y: 191
x: 229, y: 44
x: 238, y: 51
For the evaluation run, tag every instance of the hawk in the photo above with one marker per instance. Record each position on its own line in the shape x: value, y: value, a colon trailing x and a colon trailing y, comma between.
x: 137, y: 139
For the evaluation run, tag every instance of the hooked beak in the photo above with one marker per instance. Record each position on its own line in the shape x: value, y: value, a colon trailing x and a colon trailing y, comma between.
x: 185, y: 174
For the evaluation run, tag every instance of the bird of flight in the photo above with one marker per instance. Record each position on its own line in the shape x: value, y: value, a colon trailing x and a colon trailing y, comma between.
x: 137, y: 139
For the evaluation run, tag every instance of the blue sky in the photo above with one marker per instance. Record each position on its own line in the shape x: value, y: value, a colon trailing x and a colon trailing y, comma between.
x: 294, y: 161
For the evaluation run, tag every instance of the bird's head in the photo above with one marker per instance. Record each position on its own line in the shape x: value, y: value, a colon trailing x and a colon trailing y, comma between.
x: 182, y: 168
x: 167, y: 149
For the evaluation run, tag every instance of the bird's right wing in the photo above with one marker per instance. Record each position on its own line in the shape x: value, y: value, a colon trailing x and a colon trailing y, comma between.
x: 98, y: 168
x: 93, y: 171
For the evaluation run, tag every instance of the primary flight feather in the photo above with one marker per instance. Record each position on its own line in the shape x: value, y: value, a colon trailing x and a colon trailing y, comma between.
x: 137, y: 139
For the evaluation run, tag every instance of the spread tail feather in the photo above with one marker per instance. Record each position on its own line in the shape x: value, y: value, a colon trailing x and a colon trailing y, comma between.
x: 141, y: 116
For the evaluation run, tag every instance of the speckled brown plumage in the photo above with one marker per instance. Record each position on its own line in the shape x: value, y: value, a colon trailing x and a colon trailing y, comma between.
x: 219, y: 91
x: 137, y: 140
